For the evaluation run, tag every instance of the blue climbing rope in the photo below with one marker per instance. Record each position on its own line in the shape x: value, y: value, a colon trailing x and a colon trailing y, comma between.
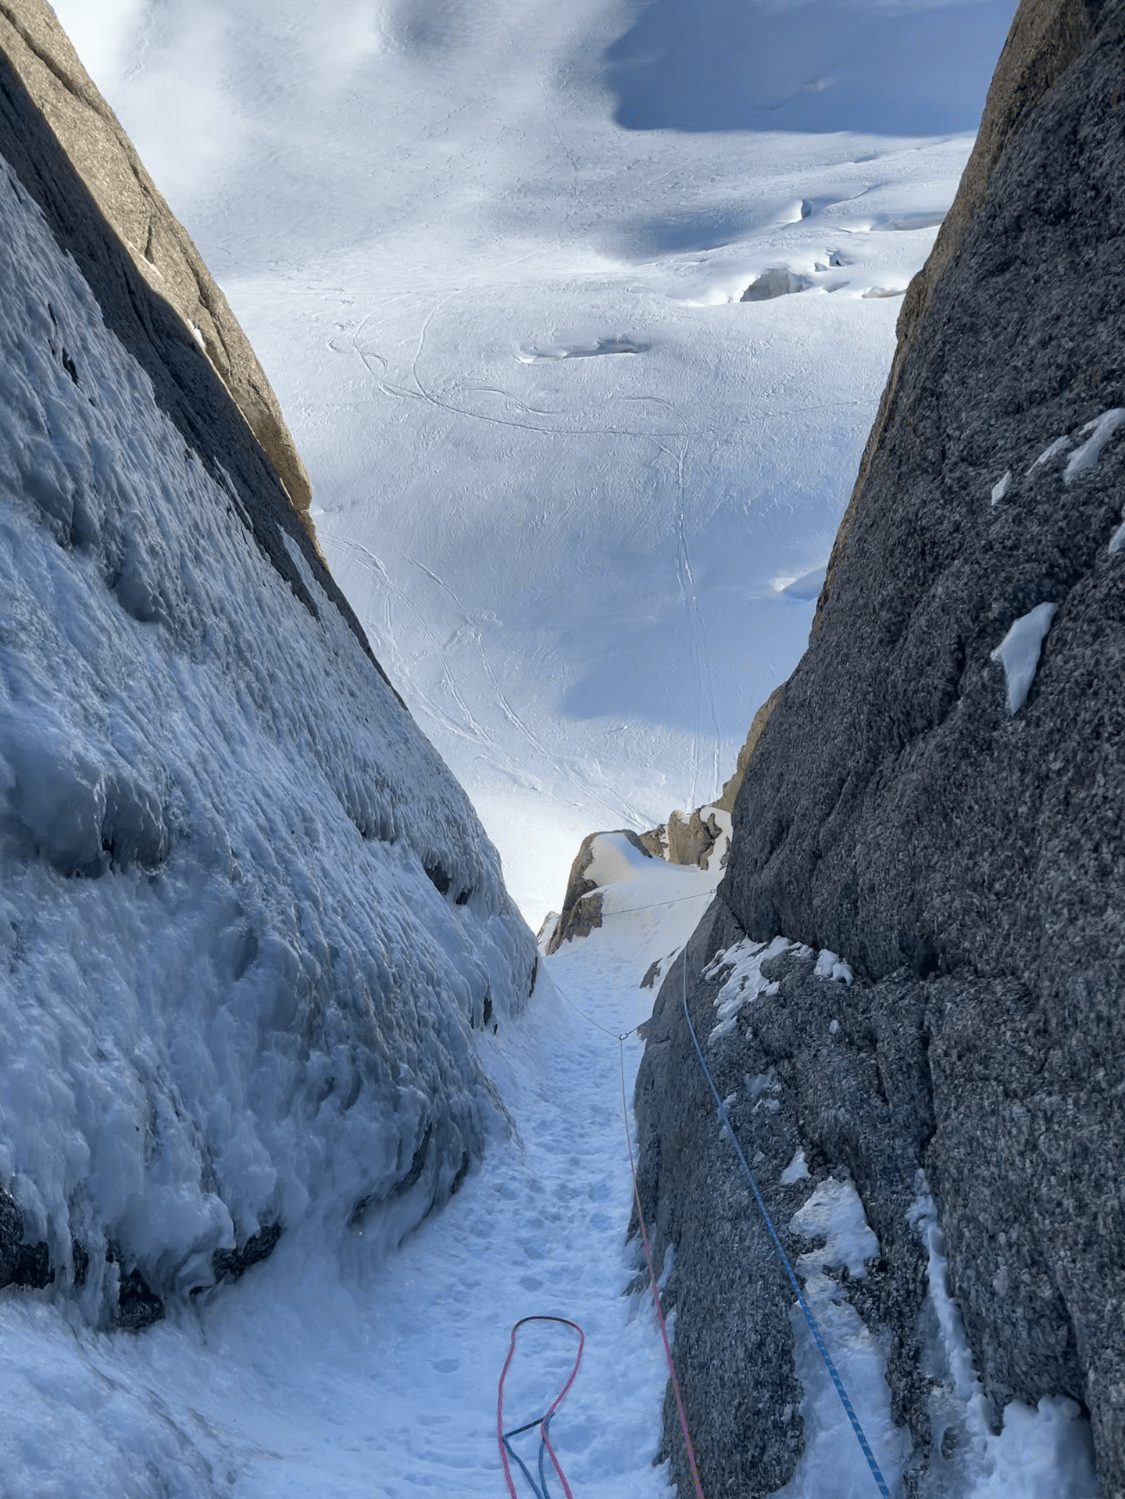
x: 538, y: 1489
x: 809, y: 1318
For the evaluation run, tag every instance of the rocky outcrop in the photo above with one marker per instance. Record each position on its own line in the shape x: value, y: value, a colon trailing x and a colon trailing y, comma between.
x: 582, y: 905
x: 726, y: 799
x: 39, y: 53
x: 690, y: 837
x: 936, y: 796
x: 21, y: 1263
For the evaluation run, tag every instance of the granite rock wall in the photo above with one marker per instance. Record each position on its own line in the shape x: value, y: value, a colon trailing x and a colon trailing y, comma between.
x: 936, y: 797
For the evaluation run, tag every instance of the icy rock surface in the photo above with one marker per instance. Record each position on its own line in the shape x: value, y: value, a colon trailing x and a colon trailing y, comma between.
x: 247, y: 919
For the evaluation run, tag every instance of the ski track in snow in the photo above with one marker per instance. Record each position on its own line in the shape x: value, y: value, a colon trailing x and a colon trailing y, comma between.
x: 697, y: 627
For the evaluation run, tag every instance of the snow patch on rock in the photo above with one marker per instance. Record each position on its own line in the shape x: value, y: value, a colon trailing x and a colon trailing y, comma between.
x: 797, y: 1170
x: 1041, y: 1453
x: 1059, y: 445
x: 1019, y: 650
x: 830, y: 966
x: 744, y: 982
x: 1001, y: 487
x: 1085, y: 459
x: 832, y: 1462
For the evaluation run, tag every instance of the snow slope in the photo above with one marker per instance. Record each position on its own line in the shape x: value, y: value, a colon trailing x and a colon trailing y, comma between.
x: 491, y: 255
x: 232, y: 997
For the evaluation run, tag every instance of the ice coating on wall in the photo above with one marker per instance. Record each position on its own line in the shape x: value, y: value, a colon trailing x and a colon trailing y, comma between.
x: 248, y: 921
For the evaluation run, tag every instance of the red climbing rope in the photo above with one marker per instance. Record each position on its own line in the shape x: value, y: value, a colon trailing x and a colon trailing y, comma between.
x: 542, y: 1421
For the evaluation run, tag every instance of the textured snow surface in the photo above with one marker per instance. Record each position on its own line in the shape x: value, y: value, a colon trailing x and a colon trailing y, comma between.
x: 230, y: 996
x: 445, y: 226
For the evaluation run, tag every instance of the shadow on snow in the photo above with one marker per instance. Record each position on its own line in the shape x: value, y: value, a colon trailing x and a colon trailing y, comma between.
x: 915, y: 67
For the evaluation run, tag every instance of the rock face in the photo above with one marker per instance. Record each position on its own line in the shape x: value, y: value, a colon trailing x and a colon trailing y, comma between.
x: 691, y: 837
x: 248, y: 920
x: 40, y: 55
x: 731, y: 788
x: 936, y: 796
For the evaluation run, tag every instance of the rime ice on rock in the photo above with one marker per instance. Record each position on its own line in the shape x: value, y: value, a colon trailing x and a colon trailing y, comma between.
x: 234, y: 995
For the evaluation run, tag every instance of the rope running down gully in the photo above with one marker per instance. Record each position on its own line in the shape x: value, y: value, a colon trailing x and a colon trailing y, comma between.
x: 814, y: 1329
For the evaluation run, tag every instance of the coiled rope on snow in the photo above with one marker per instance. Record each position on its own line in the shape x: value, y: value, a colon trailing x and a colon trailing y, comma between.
x: 543, y: 1422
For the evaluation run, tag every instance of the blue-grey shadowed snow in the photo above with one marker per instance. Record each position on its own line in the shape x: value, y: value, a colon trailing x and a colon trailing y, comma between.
x: 706, y: 227
x: 659, y: 607
x: 917, y: 69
